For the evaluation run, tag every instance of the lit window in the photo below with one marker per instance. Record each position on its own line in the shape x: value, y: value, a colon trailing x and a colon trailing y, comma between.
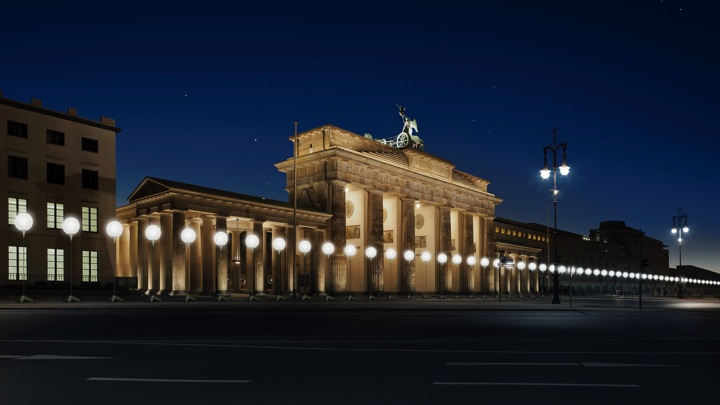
x: 55, y: 215
x: 89, y: 265
x: 15, y: 206
x: 17, y: 263
x: 55, y: 265
x: 89, y: 219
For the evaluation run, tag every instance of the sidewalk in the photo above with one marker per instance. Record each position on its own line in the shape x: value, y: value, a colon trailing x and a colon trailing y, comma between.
x: 56, y: 299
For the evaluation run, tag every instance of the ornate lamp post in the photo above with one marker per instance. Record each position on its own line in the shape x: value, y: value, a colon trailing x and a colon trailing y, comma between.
x: 457, y: 259
x: 152, y: 233
x: 279, y: 244
x: 679, y: 228
x: 425, y: 257
x: 391, y: 254
x: 328, y: 248
x: 23, y: 223
x: 370, y: 253
x: 554, y: 147
x: 409, y: 255
x: 350, y: 251
x: 188, y: 236
x: 471, y: 260
x: 71, y: 226
x: 114, y: 229
x: 304, y: 246
x: 442, y: 259
x: 221, y: 239
x: 252, y: 241
x: 484, y: 262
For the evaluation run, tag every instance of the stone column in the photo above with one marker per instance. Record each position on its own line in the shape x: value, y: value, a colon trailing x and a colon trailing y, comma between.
x: 488, y: 250
x: 525, y: 279
x: 164, y: 249
x: 194, y: 275
x: 142, y: 252
x: 207, y: 245
x: 374, y: 237
x: 258, y: 258
x: 319, y: 265
x: 468, y: 249
x: 407, y: 243
x: 291, y: 252
x: 514, y: 277
x: 444, y: 240
x: 176, y: 278
x: 221, y: 261
x: 338, y: 269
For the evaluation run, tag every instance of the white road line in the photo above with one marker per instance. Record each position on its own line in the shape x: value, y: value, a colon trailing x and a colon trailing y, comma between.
x: 166, y: 380
x: 578, y: 364
x: 10, y: 357
x: 515, y: 384
x: 53, y: 357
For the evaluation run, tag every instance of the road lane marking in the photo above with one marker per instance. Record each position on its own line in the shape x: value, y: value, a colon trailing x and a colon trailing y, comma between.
x: 166, y: 380
x: 53, y: 357
x: 516, y: 384
x: 577, y: 364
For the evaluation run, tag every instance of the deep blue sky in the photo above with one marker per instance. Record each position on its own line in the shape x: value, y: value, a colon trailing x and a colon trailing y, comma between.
x: 206, y: 92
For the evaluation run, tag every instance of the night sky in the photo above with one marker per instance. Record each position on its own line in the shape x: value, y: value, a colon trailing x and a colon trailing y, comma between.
x: 207, y: 92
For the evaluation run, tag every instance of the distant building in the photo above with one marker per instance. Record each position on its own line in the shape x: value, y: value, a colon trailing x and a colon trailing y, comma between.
x: 56, y: 165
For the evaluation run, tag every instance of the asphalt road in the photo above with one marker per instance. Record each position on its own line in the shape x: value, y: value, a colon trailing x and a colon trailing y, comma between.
x: 422, y: 353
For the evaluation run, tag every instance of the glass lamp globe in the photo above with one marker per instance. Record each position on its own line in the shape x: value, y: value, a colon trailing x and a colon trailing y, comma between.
x: 278, y: 244
x: 484, y: 261
x: 471, y: 260
x: 391, y: 254
x: 252, y: 241
x: 409, y: 255
x: 71, y: 226
x: 328, y: 248
x: 426, y: 256
x: 23, y: 222
x: 371, y: 252
x: 442, y: 258
x: 220, y: 238
x: 304, y: 246
x: 457, y: 259
x: 188, y: 235
x: 114, y: 229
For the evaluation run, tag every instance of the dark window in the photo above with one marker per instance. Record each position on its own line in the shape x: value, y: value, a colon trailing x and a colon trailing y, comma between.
x: 55, y: 173
x: 90, y: 145
x: 55, y: 137
x: 90, y: 179
x: 17, y: 167
x: 17, y: 129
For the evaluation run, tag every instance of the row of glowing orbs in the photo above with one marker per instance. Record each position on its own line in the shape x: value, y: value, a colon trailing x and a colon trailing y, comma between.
x: 24, y: 221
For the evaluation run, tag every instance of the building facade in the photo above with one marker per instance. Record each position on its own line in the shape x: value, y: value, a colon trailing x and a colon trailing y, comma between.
x: 56, y: 166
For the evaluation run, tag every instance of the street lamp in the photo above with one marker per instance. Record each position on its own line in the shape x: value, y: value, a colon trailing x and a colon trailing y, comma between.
x: 680, y: 227
x: 471, y: 260
x: 496, y: 264
x: 554, y: 147
x: 279, y: 244
x: 409, y: 255
x: 532, y: 266
x: 457, y: 259
x: 71, y: 226
x: 152, y: 233
x: 114, y: 229
x: 23, y: 223
x: 252, y: 241
x: 370, y: 253
x: 521, y: 267
x: 484, y: 263
x: 350, y: 251
x: 390, y: 254
x: 543, y: 267
x: 425, y: 257
x: 304, y: 246
x: 328, y: 248
x: 442, y: 258
x: 188, y: 236
x: 221, y: 239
